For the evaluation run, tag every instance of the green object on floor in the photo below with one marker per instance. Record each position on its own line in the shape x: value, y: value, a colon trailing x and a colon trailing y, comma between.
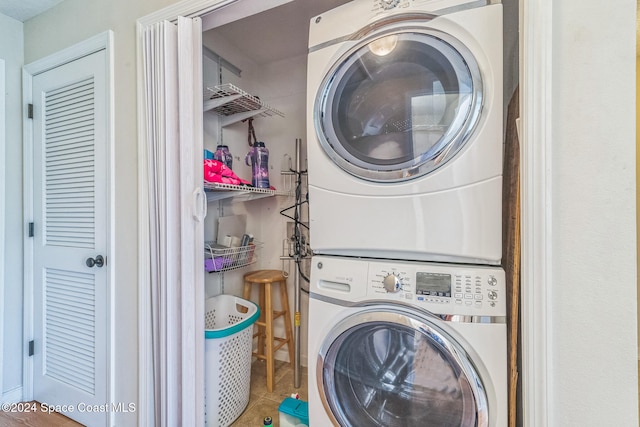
x: 294, y: 413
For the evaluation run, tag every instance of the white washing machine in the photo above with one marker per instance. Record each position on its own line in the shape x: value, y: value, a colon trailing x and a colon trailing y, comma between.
x: 406, y: 344
x: 405, y: 130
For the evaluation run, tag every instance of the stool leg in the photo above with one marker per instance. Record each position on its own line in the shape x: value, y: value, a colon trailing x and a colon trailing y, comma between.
x: 262, y: 328
x: 246, y: 294
x: 268, y: 308
x: 284, y: 297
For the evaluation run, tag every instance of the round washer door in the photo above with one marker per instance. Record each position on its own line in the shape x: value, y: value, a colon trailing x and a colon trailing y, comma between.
x: 395, y: 368
x: 399, y: 105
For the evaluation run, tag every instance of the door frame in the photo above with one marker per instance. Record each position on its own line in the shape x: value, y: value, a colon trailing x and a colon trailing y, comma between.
x: 3, y: 113
x: 535, y: 134
x: 536, y: 187
x: 103, y: 41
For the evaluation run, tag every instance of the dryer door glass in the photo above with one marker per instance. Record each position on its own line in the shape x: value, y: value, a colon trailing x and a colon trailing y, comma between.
x: 399, y: 372
x: 399, y: 105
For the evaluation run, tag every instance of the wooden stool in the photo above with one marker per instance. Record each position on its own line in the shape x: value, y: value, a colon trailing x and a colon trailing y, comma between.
x: 266, y: 338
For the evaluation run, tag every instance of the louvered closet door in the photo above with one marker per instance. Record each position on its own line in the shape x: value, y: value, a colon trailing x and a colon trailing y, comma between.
x: 70, y: 188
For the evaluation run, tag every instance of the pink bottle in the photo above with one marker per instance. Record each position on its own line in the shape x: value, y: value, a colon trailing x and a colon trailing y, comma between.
x: 259, y: 156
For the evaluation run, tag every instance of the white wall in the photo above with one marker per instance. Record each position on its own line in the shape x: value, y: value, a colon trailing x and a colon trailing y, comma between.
x: 66, y: 24
x: 593, y: 313
x: 281, y: 84
x: 11, y: 50
x: 284, y: 87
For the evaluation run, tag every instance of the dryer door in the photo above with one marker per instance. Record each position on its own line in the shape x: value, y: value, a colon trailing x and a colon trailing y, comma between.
x: 393, y: 369
x: 399, y: 105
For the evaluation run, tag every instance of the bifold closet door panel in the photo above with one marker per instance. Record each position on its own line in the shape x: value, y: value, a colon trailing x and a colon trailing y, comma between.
x: 176, y: 206
x: 193, y: 205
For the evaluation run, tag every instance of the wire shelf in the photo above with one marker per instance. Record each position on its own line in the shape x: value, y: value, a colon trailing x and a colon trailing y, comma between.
x: 219, y: 258
x: 213, y: 186
x: 234, y: 103
x: 218, y: 191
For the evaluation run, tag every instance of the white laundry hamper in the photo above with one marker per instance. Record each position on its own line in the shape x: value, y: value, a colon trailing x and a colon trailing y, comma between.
x: 228, y: 341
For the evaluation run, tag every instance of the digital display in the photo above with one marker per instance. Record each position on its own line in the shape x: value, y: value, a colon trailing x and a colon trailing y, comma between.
x: 433, y: 284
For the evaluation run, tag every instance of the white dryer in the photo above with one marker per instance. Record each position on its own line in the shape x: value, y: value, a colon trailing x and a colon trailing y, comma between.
x: 405, y: 130
x: 406, y: 344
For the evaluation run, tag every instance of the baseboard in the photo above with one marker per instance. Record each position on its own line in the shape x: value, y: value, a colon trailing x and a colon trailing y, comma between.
x: 283, y: 356
x: 12, y: 396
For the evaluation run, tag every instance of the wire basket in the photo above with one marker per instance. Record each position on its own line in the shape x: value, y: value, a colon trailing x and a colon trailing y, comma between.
x: 219, y: 258
x: 228, y: 341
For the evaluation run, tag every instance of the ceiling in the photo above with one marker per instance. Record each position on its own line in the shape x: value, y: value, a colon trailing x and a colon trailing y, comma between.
x: 23, y: 10
x: 264, y: 37
x: 277, y: 33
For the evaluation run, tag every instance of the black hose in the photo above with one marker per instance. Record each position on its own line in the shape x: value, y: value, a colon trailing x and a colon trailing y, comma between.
x: 299, y: 246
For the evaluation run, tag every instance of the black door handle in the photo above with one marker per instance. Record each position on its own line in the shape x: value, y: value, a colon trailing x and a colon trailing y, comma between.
x: 98, y: 261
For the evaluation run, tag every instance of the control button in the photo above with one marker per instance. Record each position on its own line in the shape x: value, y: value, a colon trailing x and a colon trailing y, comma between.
x: 468, y: 296
x: 458, y: 301
x: 478, y: 304
x: 492, y: 281
x: 469, y: 302
x: 478, y: 296
x: 492, y: 295
x: 458, y: 295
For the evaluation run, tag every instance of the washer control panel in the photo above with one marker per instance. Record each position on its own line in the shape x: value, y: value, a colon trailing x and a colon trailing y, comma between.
x: 461, y: 289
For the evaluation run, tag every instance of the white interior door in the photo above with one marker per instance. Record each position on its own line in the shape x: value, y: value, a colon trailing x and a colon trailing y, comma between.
x: 70, y: 238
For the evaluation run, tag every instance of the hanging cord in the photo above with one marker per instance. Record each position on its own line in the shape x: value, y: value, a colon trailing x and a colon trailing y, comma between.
x: 300, y: 244
x: 282, y: 212
x: 251, y: 132
x: 299, y: 241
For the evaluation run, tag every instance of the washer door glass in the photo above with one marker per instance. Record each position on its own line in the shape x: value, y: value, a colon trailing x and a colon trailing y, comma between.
x: 399, y: 105
x: 399, y: 371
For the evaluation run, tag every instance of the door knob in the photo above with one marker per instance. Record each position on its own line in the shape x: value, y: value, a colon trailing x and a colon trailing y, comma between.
x: 98, y: 261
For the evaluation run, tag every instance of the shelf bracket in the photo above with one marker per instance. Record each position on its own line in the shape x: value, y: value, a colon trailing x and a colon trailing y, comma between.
x: 238, y: 117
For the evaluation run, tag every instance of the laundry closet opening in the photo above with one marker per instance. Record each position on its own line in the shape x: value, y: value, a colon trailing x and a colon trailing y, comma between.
x: 259, y: 64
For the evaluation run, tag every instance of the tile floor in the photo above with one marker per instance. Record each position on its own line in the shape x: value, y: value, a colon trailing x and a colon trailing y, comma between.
x: 261, y: 403
x: 264, y: 404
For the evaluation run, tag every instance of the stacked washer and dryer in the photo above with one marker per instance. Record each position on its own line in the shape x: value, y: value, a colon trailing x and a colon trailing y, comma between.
x: 405, y: 139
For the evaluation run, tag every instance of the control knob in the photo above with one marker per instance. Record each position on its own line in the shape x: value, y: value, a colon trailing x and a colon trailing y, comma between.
x: 492, y: 295
x: 392, y: 283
